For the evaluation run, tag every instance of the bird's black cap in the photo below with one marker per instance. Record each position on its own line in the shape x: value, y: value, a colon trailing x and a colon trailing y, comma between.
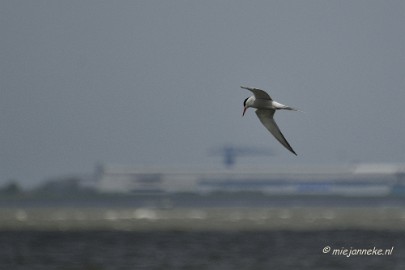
x: 244, y: 102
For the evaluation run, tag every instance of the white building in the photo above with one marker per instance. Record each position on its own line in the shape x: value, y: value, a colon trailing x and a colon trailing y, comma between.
x: 356, y: 180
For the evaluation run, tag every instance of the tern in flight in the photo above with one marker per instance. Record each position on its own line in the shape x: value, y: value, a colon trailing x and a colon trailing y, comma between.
x: 265, y: 108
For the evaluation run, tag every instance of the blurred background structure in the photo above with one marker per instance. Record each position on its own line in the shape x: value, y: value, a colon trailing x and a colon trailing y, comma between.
x: 231, y: 152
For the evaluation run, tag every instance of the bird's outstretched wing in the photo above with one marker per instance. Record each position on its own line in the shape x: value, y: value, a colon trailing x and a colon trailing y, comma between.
x: 266, y: 117
x: 259, y: 94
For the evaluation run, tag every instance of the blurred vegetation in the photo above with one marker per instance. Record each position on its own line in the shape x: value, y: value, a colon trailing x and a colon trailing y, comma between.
x: 63, y: 187
x: 11, y: 189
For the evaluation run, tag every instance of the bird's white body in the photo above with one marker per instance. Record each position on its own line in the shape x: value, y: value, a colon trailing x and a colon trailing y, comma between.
x: 265, y: 108
x: 265, y: 104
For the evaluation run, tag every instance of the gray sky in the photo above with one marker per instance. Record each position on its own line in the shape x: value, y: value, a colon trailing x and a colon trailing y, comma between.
x: 156, y: 83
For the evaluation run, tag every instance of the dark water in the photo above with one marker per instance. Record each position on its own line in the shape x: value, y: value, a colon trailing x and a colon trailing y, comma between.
x: 222, y: 250
x: 207, y: 232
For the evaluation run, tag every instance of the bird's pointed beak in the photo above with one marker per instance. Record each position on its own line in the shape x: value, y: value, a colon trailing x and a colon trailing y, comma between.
x: 244, y: 110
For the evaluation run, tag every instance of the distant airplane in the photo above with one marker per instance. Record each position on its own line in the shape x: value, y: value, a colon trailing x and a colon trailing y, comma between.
x: 230, y: 152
